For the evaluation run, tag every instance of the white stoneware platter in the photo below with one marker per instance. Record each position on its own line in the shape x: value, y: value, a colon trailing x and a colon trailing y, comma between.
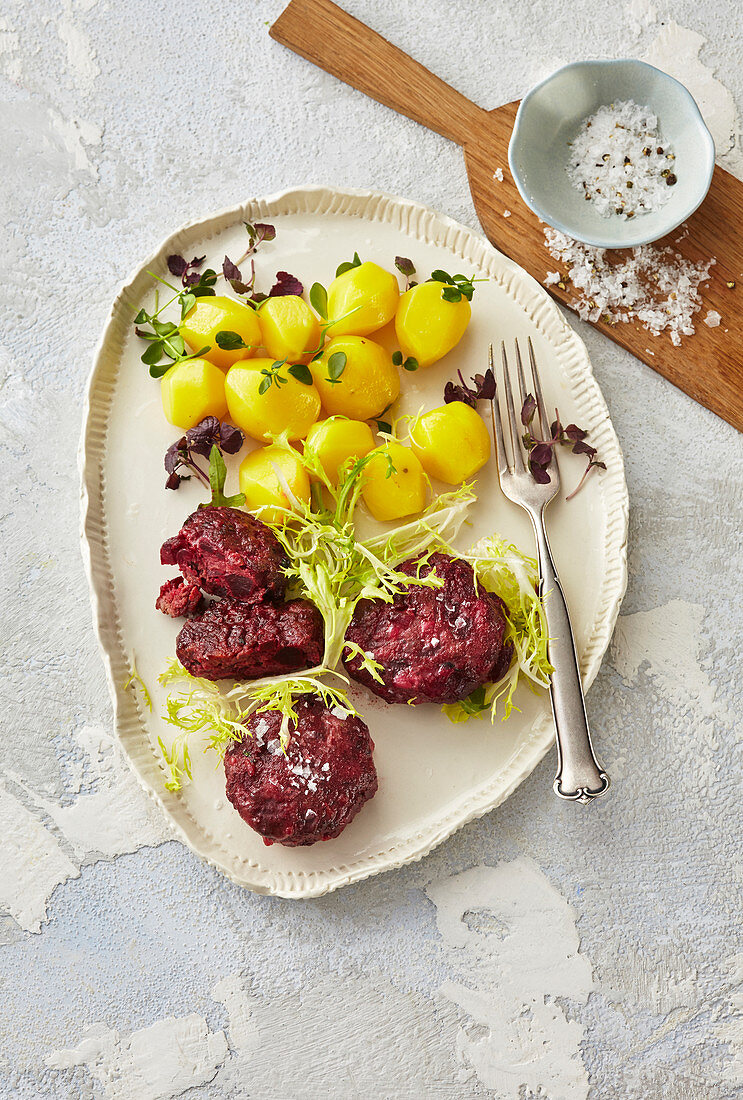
x: 433, y: 776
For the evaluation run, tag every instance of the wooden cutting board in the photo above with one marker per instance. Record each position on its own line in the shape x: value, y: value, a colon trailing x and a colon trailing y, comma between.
x: 709, y: 365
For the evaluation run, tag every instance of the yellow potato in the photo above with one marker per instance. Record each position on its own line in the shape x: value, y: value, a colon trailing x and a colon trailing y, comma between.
x: 191, y: 390
x: 391, y: 493
x: 337, y: 440
x: 369, y: 381
x: 452, y: 442
x: 264, y: 493
x: 212, y: 315
x: 427, y: 326
x: 289, y: 328
x: 361, y: 300
x: 290, y: 407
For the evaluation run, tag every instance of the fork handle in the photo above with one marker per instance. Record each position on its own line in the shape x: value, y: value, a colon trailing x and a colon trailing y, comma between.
x: 579, y: 777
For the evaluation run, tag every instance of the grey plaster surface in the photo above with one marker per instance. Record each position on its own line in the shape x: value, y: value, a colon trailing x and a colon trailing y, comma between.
x: 120, y: 122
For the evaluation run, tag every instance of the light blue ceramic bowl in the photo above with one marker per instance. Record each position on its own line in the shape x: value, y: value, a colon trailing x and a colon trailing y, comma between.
x: 549, y: 118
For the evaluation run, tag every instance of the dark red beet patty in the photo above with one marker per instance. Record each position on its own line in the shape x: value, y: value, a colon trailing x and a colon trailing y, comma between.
x: 228, y: 553
x: 243, y: 641
x: 313, y: 791
x: 178, y: 598
x: 433, y: 643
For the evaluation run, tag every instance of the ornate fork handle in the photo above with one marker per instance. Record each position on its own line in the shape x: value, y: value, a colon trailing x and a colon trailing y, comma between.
x: 579, y: 777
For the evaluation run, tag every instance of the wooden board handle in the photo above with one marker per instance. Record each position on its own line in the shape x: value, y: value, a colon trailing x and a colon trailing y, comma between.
x: 329, y: 37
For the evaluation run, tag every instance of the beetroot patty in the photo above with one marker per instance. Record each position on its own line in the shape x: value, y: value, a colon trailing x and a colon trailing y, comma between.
x: 178, y: 598
x: 243, y: 641
x: 313, y: 791
x: 433, y: 643
x: 228, y: 553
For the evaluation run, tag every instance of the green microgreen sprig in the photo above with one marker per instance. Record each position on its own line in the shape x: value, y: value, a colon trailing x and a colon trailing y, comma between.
x: 456, y: 287
x: 272, y: 375
x: 217, y: 478
x: 409, y: 363
x: 348, y: 265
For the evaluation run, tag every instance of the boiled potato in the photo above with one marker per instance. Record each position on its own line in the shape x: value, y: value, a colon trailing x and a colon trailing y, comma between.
x: 212, y: 315
x: 452, y: 442
x: 397, y: 492
x: 191, y: 390
x: 289, y: 328
x: 369, y: 381
x: 261, y: 485
x: 428, y: 326
x: 337, y: 440
x: 361, y: 300
x: 290, y: 407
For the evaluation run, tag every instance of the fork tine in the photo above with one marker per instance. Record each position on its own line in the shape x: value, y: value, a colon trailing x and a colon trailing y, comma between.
x: 543, y: 421
x: 500, y: 447
x: 520, y: 376
x: 518, y: 454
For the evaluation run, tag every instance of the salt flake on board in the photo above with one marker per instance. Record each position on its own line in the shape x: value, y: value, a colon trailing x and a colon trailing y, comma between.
x: 655, y: 286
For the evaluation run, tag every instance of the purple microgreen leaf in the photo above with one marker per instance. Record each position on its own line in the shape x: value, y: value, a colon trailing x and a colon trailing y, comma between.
x: 285, y: 284
x: 528, y: 410
x: 539, y: 473
x: 541, y: 454
x: 486, y: 388
x: 582, y: 448
x: 574, y: 433
x: 404, y: 266
x: 230, y: 271
x: 177, y: 266
x: 264, y: 232
x: 230, y: 439
x: 452, y: 392
x: 199, y: 440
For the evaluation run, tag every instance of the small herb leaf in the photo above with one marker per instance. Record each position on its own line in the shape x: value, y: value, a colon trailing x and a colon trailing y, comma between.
x: 319, y: 299
x: 301, y: 373
x: 336, y: 365
x: 217, y: 478
x: 230, y: 341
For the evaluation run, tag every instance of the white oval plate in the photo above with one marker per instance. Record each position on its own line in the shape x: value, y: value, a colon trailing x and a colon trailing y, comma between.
x: 433, y: 776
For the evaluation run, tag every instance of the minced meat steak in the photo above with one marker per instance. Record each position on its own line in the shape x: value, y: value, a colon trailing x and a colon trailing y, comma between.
x: 178, y: 598
x: 433, y: 643
x: 314, y: 790
x: 228, y: 553
x: 244, y: 641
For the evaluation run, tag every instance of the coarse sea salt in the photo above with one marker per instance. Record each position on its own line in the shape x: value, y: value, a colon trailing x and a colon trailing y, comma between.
x: 498, y: 175
x: 655, y: 286
x: 713, y: 318
x: 620, y: 162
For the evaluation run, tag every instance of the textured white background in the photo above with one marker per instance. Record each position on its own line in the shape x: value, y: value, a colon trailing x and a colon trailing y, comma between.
x: 544, y: 951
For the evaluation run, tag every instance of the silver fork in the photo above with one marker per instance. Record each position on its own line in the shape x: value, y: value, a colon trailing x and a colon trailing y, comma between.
x: 579, y: 777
